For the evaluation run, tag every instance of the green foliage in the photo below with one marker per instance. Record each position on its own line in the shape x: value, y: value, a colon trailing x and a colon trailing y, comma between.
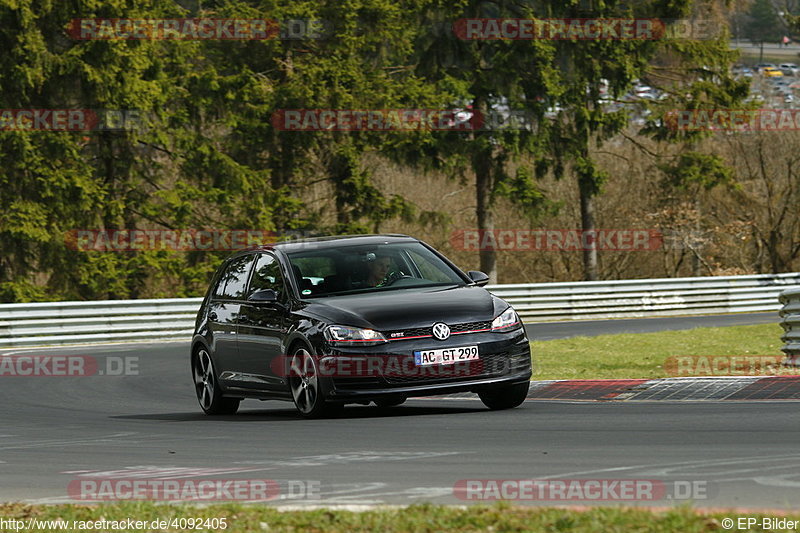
x: 764, y: 24
x: 523, y: 188
x: 486, y: 75
x: 695, y: 170
x: 210, y: 157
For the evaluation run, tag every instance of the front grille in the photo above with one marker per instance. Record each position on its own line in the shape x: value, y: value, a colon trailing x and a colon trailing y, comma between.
x: 411, y: 332
x: 426, y: 332
x: 470, y: 326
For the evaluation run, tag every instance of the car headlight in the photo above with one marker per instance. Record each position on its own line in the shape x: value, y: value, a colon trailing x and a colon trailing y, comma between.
x: 506, y: 321
x: 347, y: 336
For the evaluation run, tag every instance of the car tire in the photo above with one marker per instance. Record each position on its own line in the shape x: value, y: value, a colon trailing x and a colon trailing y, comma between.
x: 305, y: 385
x: 390, y: 401
x: 506, y: 397
x: 206, y: 384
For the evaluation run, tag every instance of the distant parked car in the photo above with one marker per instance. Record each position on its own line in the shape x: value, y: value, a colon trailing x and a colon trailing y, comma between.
x: 789, y: 69
x: 772, y: 72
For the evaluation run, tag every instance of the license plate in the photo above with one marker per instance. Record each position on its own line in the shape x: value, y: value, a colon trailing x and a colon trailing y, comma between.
x: 445, y: 356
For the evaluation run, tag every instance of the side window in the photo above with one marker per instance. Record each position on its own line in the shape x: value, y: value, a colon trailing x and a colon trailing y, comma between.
x: 233, y: 281
x: 429, y: 270
x: 268, y: 276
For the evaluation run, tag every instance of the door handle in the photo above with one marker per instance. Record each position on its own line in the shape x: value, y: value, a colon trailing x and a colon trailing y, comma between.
x: 212, y: 316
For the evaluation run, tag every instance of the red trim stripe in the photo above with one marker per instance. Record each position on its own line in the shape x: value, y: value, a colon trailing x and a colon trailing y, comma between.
x: 471, y: 331
x: 429, y: 336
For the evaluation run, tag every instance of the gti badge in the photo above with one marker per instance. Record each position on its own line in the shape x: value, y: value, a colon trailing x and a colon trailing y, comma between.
x: 441, y: 331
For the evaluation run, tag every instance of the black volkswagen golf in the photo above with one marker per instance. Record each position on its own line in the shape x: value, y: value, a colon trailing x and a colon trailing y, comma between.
x: 357, y: 319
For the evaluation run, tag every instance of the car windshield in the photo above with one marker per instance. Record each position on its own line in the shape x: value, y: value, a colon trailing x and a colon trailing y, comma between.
x: 352, y: 269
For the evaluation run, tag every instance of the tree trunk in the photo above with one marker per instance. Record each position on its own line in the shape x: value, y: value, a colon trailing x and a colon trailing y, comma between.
x: 484, y: 188
x: 339, y: 170
x: 590, y: 235
x: 483, y: 192
x: 697, y: 266
x: 775, y: 260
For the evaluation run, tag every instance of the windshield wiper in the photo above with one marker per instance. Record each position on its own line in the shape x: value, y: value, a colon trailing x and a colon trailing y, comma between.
x: 385, y: 289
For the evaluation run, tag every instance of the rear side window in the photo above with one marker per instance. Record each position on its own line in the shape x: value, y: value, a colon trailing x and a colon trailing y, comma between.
x: 232, y: 283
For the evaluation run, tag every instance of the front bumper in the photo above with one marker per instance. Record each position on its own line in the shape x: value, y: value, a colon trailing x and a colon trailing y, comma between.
x: 504, y: 358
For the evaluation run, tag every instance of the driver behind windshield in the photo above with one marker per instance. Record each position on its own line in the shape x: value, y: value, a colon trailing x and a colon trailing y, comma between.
x: 380, y: 271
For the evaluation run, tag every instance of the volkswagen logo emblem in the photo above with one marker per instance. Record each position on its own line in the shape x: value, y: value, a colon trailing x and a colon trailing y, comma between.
x: 441, y: 331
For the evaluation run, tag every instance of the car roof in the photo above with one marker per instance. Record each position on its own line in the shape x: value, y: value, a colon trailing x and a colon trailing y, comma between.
x: 332, y: 241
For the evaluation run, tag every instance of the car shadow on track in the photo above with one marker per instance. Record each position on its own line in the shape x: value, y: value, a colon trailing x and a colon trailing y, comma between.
x: 290, y: 414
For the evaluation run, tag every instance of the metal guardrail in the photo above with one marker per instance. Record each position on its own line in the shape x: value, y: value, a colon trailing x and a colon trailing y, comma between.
x: 642, y: 298
x: 33, y: 324
x: 790, y: 321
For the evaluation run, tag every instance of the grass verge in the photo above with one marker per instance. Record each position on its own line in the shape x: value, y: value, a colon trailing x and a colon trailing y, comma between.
x: 642, y: 355
x: 416, y: 518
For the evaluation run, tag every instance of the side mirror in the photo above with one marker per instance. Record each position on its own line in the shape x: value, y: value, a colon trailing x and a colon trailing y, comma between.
x: 478, y: 277
x: 264, y: 296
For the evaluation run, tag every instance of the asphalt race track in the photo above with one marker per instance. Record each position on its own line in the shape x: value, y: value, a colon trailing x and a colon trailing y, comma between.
x: 56, y: 430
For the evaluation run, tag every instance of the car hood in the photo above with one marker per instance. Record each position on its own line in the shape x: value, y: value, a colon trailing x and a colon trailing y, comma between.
x: 407, y: 308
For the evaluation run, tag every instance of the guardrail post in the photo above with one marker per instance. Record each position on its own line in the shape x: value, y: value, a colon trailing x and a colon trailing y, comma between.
x: 790, y: 321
